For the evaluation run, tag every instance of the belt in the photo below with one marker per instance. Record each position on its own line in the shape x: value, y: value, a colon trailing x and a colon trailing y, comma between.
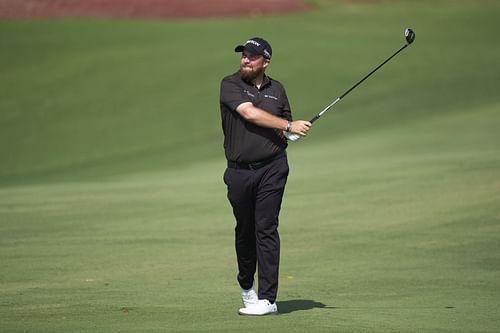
x: 255, y: 165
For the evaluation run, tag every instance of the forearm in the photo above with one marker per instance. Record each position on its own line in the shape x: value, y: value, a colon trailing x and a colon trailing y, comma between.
x: 260, y: 117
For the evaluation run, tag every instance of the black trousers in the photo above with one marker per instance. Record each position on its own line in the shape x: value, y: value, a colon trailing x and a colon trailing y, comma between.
x: 256, y: 197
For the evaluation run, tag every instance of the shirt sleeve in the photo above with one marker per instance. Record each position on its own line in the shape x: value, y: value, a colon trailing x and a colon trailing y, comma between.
x: 232, y: 95
x: 287, y: 111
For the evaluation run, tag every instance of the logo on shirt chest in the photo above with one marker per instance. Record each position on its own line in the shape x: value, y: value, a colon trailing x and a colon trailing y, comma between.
x: 261, y: 95
x: 248, y: 93
x: 271, y: 97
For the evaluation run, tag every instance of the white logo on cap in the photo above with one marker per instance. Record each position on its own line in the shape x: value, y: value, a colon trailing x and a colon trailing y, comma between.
x: 251, y: 41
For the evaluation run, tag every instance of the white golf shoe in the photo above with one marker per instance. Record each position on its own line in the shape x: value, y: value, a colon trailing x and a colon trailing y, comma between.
x: 249, y: 297
x: 261, y: 308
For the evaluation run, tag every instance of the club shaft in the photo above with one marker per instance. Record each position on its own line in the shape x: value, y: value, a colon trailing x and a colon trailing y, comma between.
x: 357, y: 84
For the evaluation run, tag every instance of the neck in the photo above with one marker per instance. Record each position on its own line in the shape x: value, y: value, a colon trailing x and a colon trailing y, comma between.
x: 258, y: 80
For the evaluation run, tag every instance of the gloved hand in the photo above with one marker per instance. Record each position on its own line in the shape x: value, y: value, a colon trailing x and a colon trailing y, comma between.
x: 292, y: 136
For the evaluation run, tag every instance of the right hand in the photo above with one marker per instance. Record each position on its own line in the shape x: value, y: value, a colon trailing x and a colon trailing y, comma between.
x: 298, y: 129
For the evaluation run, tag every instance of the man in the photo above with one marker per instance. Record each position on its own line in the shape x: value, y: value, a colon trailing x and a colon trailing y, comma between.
x: 255, y: 116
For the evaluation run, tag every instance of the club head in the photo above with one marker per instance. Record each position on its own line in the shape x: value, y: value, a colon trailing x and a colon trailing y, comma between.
x: 409, y: 35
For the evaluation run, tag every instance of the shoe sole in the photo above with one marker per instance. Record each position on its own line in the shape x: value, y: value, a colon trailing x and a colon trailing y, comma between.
x: 258, y: 315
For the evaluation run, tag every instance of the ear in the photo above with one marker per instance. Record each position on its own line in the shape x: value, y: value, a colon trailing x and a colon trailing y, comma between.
x: 267, y: 62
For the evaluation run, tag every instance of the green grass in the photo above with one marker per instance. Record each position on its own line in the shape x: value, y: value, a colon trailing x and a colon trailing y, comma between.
x: 113, y: 216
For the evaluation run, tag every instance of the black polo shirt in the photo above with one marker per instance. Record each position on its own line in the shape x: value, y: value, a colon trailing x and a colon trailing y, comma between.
x: 245, y: 142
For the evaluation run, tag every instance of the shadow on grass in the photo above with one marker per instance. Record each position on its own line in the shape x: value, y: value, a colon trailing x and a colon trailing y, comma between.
x: 293, y: 305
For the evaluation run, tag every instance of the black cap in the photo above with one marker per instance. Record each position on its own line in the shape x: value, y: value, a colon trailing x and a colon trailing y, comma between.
x: 256, y: 46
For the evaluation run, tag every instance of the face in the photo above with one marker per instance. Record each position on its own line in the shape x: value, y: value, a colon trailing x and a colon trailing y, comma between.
x: 252, y: 66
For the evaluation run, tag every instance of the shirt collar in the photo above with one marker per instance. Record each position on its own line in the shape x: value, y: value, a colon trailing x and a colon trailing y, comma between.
x: 265, y: 81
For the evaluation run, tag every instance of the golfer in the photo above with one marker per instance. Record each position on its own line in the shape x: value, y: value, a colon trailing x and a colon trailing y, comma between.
x: 255, y: 115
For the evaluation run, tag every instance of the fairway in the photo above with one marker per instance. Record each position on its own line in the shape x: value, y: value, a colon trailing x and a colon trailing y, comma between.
x: 113, y: 212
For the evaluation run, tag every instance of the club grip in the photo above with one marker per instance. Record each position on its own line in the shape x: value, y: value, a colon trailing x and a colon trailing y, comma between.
x: 316, y: 117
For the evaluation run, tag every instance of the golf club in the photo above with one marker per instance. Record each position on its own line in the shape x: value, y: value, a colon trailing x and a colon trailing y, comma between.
x: 410, y: 37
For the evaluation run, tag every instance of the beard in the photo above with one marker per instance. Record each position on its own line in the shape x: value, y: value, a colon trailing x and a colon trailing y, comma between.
x: 249, y: 74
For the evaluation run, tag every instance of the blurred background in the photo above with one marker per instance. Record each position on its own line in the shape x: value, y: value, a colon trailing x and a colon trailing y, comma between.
x: 84, y: 98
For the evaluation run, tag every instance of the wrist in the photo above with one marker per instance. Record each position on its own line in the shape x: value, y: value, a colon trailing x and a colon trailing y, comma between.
x: 288, y: 126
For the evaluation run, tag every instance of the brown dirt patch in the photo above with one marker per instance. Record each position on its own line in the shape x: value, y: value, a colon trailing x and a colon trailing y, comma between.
x: 154, y: 9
